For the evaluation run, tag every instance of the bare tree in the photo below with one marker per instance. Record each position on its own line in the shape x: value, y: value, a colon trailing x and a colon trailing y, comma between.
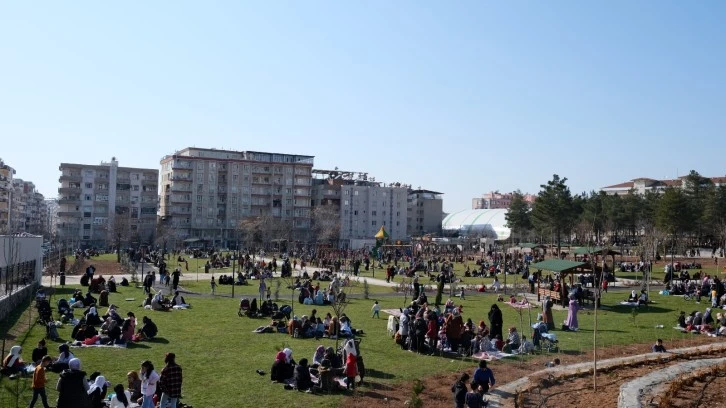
x: 340, y: 303
x: 326, y: 224
x: 11, y: 259
x: 119, y: 232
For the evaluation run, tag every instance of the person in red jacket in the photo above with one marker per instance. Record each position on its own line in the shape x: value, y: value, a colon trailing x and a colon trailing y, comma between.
x: 351, y: 370
x: 433, y: 332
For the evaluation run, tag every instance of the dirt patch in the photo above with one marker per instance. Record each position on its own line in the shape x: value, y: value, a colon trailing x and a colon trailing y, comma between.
x: 438, y: 387
x: 103, y: 267
x: 703, y: 389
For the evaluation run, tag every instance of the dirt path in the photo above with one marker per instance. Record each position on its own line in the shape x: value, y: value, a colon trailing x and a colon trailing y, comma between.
x: 438, y: 387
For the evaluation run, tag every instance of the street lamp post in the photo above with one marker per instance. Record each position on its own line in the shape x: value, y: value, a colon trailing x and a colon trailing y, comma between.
x: 234, y: 275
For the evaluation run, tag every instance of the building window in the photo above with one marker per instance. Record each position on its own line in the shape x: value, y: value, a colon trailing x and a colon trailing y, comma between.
x: 89, y: 185
x: 373, y: 213
x: 200, y: 198
x: 373, y: 223
x: 355, y: 192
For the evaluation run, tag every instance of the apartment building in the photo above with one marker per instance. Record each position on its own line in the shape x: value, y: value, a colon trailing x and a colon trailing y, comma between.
x: 642, y: 185
x: 28, y: 209
x: 425, y: 212
x: 206, y: 193
x: 495, y: 199
x: 363, y: 205
x: 6, y: 193
x: 97, y: 203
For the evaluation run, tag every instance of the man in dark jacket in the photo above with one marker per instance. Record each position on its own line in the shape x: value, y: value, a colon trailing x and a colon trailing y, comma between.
x: 303, y: 382
x: 459, y: 391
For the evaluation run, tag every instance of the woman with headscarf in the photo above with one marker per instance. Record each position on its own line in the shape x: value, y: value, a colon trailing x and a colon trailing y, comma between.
x: 72, y: 387
x: 97, y: 392
x: 13, y: 363
x: 282, y: 369
x: 114, y: 334
x: 571, y: 321
x: 547, y: 317
x: 92, y: 316
x: 495, y: 321
x: 319, y: 355
x: 454, y: 327
x: 707, y: 318
x: 61, y: 363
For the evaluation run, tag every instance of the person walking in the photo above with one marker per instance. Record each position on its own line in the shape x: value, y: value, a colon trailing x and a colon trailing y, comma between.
x: 170, y: 382
x: 213, y: 284
x: 376, y: 309
x: 39, y: 381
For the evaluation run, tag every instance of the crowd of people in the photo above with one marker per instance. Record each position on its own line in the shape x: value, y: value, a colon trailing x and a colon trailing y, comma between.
x: 76, y: 389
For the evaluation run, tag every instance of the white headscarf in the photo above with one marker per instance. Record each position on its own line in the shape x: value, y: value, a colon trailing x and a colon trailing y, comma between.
x: 350, y: 347
x: 92, y: 310
x: 14, y: 355
x: 288, y: 355
x: 98, y: 384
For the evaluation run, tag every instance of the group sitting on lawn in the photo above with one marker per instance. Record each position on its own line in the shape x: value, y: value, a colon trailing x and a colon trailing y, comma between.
x: 328, y: 372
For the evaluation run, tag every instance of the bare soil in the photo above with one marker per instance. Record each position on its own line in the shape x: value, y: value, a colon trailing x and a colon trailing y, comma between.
x: 103, y: 267
x: 707, y: 391
x: 575, y: 392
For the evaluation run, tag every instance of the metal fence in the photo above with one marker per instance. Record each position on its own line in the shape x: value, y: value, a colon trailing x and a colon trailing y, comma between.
x: 16, y: 276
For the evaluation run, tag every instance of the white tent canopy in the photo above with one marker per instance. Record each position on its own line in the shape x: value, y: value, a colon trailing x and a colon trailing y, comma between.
x: 489, y: 223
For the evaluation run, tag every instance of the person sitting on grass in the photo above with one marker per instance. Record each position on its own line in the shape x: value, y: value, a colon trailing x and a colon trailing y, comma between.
x: 134, y: 385
x: 283, y: 368
x: 179, y: 301
x: 39, y: 352
x: 72, y: 387
x: 658, y: 347
x: 326, y: 377
x: 147, y: 331
x: 159, y: 303
x: 97, y: 392
x: 12, y: 363
x: 526, y: 347
x: 61, y: 363
x: 303, y: 381
x: 121, y: 398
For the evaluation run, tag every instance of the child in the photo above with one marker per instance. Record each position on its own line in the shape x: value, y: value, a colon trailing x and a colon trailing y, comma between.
x: 553, y: 363
x: 461, y: 294
x: 376, y: 308
x: 269, y: 293
x: 213, y: 284
x: 658, y: 346
x: 351, y: 370
x: 39, y: 381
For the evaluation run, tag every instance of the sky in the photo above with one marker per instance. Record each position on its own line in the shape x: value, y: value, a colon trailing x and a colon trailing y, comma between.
x: 460, y: 97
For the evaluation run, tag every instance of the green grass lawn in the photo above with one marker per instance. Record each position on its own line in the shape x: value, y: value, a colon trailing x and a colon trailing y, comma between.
x: 219, y: 352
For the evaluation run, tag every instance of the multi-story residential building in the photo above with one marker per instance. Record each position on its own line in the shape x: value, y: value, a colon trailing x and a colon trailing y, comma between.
x: 495, y: 199
x: 425, y: 212
x: 363, y: 205
x: 643, y: 184
x: 6, y: 194
x: 28, y: 211
x: 99, y: 204
x: 206, y: 193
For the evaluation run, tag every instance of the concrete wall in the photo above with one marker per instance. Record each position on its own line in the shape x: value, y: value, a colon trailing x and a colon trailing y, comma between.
x: 9, y: 303
x: 17, y: 249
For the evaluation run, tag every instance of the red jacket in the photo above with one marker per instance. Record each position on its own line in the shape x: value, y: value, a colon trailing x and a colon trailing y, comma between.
x: 433, y: 329
x: 351, y: 366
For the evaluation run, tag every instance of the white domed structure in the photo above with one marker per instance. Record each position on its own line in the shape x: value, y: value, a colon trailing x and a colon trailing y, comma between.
x: 484, y: 223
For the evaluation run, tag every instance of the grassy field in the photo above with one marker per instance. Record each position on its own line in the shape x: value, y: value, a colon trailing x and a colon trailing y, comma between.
x: 220, y: 353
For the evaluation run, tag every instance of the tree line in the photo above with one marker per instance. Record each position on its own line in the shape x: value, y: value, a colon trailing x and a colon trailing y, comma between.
x: 676, y: 217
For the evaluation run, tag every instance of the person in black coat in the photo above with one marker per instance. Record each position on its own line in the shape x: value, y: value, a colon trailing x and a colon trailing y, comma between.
x: 495, y: 321
x: 72, y: 387
x: 303, y: 382
x: 459, y: 390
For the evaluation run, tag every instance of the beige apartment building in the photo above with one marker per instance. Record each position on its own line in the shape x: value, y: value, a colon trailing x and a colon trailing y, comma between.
x: 28, y: 210
x: 207, y: 193
x: 98, y: 203
x: 496, y: 200
x: 6, y: 194
x: 425, y: 212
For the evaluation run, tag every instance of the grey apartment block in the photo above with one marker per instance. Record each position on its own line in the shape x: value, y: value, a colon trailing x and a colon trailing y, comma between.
x: 97, y: 203
x: 206, y: 194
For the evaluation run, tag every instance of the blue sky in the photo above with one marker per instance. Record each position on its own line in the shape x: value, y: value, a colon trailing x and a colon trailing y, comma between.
x: 461, y: 97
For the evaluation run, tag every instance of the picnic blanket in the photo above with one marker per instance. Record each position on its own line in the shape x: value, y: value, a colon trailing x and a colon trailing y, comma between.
x: 491, y: 355
x: 520, y: 305
x: 683, y: 330
x: 633, y: 304
x: 81, y: 345
x: 393, y: 312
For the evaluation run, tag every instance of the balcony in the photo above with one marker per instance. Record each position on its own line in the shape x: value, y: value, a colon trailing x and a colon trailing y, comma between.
x: 69, y: 200
x: 181, y: 177
x: 70, y: 177
x: 186, y: 188
x: 69, y: 214
x: 179, y: 199
x: 69, y: 190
